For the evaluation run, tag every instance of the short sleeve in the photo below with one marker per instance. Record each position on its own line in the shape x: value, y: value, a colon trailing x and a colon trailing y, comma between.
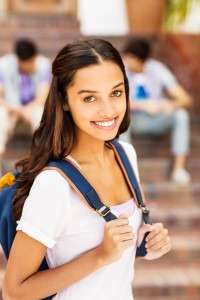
x: 162, y: 73
x: 131, y: 153
x: 46, y: 209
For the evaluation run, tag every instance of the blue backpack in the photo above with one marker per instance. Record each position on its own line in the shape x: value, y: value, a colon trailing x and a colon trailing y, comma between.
x: 73, y: 175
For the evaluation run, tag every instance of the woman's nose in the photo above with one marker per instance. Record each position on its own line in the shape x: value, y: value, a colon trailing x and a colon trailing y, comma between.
x: 106, y: 109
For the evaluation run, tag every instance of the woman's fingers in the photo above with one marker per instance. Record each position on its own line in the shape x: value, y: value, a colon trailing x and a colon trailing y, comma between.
x: 158, y: 245
x: 158, y: 241
x: 118, y: 236
x: 158, y: 228
x: 141, y: 232
x: 157, y: 237
x: 167, y: 247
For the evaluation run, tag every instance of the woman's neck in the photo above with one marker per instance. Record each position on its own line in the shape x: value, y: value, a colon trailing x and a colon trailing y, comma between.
x: 90, y: 151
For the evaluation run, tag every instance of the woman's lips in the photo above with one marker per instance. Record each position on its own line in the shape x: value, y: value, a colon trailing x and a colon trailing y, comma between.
x: 106, y: 125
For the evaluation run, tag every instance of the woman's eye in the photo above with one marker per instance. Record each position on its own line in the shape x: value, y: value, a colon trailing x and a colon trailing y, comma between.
x: 117, y: 93
x: 89, y: 99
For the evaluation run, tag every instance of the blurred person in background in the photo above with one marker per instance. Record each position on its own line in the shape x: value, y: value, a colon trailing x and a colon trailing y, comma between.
x: 158, y: 103
x: 25, y: 78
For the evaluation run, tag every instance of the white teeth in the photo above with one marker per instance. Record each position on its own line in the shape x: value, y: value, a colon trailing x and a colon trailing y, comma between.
x: 105, y: 124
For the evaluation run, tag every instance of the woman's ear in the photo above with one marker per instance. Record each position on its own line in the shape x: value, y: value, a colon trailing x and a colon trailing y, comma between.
x: 65, y: 107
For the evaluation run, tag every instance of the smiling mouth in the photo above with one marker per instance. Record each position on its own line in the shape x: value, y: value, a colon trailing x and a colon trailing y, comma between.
x: 106, y: 124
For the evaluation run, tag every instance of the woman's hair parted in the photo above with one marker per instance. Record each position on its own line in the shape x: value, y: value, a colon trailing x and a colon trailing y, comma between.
x: 55, y: 136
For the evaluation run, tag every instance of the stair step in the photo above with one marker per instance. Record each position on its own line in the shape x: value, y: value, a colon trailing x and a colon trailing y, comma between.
x: 171, y: 280
x: 175, y: 215
x: 32, y: 24
x: 185, y: 247
x: 159, y: 146
x: 50, y: 34
x: 158, y: 169
x: 167, y: 191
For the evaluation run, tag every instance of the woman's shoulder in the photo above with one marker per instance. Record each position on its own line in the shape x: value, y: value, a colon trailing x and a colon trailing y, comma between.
x: 132, y: 156
x: 49, y: 188
x: 50, y: 180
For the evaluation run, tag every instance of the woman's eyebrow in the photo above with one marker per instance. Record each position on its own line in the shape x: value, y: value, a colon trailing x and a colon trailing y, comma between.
x: 121, y: 83
x: 91, y: 91
x: 86, y: 91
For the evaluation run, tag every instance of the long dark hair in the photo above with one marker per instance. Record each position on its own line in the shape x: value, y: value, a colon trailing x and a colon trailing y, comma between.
x: 55, y: 136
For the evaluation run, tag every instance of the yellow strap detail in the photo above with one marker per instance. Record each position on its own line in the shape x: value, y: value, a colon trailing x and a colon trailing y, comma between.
x: 7, y: 180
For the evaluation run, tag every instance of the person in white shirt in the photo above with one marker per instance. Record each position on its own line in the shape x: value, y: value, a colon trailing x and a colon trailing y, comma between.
x: 88, y: 258
x: 158, y: 104
x: 25, y: 77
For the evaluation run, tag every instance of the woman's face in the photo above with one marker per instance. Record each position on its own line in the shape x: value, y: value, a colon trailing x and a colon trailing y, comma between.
x: 97, y: 101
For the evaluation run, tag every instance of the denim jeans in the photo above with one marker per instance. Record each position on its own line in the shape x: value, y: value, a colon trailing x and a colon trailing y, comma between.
x: 178, y: 123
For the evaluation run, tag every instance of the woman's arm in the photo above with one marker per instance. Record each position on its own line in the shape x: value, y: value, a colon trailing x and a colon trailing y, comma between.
x: 22, y: 281
x: 179, y: 97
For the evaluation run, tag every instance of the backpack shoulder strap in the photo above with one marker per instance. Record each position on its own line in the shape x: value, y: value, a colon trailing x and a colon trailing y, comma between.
x: 131, y: 179
x: 75, y: 177
x: 135, y: 188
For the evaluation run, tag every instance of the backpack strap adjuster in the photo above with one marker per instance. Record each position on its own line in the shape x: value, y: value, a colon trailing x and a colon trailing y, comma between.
x: 144, y: 209
x: 102, y: 209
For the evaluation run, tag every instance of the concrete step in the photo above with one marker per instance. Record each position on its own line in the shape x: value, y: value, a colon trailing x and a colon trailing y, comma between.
x: 50, y: 33
x: 167, y: 191
x: 159, y: 169
x: 185, y: 247
x: 173, y: 280
x: 148, y: 146
x: 176, y: 215
x: 16, y: 150
x: 39, y: 26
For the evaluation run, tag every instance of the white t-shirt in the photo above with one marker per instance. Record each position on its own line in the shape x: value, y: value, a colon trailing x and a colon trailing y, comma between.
x: 56, y: 216
x: 155, y: 79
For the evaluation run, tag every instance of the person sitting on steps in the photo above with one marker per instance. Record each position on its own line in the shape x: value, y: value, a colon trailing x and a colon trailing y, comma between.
x: 25, y: 78
x: 158, y: 103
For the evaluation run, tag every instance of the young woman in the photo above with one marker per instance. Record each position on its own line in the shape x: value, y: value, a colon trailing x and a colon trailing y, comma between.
x: 89, y: 259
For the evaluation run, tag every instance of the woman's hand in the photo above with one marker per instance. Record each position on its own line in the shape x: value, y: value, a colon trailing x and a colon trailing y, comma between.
x: 157, y: 242
x: 118, y: 236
